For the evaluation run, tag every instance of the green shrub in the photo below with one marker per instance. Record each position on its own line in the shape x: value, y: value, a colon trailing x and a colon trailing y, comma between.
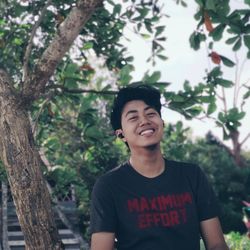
x: 236, y: 241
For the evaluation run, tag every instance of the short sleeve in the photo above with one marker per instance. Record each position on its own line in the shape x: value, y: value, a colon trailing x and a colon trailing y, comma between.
x: 102, y: 212
x: 207, y: 205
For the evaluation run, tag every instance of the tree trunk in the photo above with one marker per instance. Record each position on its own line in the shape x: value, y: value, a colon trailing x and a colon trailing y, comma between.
x: 236, y: 151
x: 23, y: 165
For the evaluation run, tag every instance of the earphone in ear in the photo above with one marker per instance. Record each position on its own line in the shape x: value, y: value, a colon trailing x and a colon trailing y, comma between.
x: 120, y: 135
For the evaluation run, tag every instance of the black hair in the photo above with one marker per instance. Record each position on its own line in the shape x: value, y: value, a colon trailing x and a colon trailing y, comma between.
x: 150, y: 95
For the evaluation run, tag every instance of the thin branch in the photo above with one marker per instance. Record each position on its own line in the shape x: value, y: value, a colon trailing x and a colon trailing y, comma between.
x: 34, y: 125
x: 80, y: 91
x: 219, y: 97
x: 224, y: 100
x: 236, y: 81
x: 30, y: 43
x: 245, y: 139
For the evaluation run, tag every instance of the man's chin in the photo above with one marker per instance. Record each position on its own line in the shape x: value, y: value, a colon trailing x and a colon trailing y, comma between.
x: 152, y: 146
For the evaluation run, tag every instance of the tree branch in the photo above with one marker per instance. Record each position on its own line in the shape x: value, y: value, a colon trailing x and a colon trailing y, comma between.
x: 30, y: 43
x: 34, y: 124
x: 64, y: 38
x: 80, y: 91
x: 245, y: 139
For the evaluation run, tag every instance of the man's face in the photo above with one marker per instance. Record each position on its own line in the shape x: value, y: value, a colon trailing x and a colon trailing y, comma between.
x: 142, y: 125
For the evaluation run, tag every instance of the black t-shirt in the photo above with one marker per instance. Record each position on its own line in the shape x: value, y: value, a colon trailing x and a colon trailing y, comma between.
x: 161, y: 213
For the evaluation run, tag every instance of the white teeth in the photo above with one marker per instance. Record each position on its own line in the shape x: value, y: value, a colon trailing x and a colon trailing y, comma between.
x: 146, y: 132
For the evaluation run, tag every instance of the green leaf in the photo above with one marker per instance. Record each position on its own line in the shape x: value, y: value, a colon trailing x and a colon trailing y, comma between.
x: 247, y: 41
x: 187, y: 86
x: 226, y: 61
x: 205, y: 99
x: 195, y: 40
x: 237, y: 45
x: 155, y: 77
x: 217, y: 32
x: 211, y: 45
x: 184, y: 4
x: 219, y: 124
x: 246, y: 95
x: 162, y: 57
x: 159, y: 30
x: 87, y: 45
x: 117, y: 9
x: 17, y: 41
x: 145, y: 36
x: 194, y: 111
x: 200, y: 2
x: 210, y: 5
x: 211, y: 108
x: 125, y: 77
x: 234, y: 115
x: 178, y: 98
x: 215, y: 72
x: 224, y: 83
x: 235, y: 29
x: 148, y: 26
x: 168, y: 95
x: 247, y: 2
x: 232, y: 40
x: 221, y: 117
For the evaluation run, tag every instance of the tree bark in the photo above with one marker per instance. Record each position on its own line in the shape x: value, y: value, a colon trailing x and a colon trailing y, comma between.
x: 23, y: 165
x: 236, y: 151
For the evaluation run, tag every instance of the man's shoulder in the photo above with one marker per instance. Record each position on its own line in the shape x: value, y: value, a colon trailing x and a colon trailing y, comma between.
x: 113, y: 174
x: 182, y: 165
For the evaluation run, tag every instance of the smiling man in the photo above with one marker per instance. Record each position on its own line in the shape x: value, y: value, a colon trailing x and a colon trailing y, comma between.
x: 149, y: 202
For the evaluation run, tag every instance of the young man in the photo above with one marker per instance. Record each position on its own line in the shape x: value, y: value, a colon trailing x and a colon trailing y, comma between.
x: 150, y: 203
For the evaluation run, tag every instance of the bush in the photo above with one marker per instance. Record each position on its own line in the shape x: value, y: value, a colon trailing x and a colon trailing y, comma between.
x: 236, y: 241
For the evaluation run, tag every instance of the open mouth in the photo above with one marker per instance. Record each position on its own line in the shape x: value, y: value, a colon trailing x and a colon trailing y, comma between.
x: 147, y: 132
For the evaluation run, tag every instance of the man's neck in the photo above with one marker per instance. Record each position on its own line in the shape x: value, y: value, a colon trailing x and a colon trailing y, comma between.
x: 148, y: 163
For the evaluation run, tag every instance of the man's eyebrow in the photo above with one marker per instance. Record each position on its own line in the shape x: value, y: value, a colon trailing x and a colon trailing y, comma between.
x: 149, y: 107
x: 131, y: 112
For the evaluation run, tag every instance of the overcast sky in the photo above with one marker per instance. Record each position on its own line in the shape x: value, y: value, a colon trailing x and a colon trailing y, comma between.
x: 186, y: 64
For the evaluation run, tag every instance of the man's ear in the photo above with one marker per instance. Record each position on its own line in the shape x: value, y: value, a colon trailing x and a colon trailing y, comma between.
x: 119, y: 133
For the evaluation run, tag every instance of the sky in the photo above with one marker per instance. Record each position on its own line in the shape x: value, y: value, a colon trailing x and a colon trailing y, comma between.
x: 186, y: 64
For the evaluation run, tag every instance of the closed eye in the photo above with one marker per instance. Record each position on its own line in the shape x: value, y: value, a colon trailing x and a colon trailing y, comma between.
x: 151, y: 114
x: 132, y: 118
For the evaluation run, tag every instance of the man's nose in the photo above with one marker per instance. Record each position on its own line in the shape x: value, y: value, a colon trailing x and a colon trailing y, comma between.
x: 144, y: 120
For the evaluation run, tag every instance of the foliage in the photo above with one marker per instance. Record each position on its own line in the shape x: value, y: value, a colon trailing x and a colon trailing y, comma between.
x: 176, y: 141
x: 236, y: 241
x: 231, y: 184
x: 218, y: 23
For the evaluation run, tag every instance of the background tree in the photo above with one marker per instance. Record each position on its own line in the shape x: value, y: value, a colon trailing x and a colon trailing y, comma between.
x: 216, y: 20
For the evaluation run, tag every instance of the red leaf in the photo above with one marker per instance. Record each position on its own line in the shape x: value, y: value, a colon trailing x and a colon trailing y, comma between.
x: 208, y: 22
x: 215, y: 58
